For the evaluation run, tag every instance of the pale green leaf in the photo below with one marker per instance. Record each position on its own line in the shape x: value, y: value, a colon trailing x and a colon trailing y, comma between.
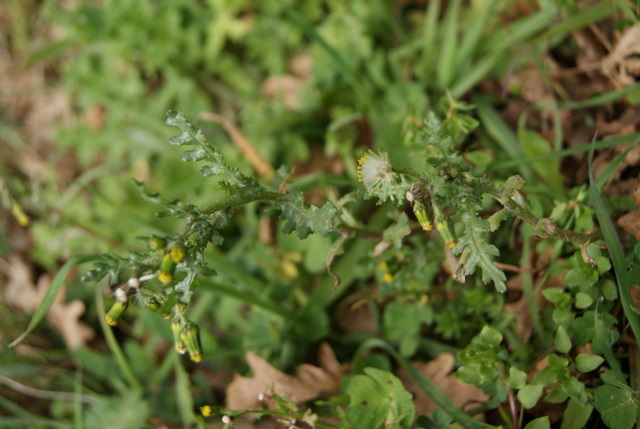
x: 539, y: 423
x: 529, y: 395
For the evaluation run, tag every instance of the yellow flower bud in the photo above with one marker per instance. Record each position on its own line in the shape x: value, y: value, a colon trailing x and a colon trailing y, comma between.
x: 152, y: 303
x: 443, y: 227
x: 176, y: 326
x: 165, y: 278
x: 157, y: 243
x: 178, y: 252
x: 167, y: 267
x: 115, y: 312
x: 422, y: 215
x: 190, y: 335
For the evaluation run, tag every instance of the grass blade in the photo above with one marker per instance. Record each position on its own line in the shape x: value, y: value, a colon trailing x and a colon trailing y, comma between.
x: 598, y: 12
x: 429, y: 45
x: 51, y: 293
x: 446, y: 67
x: 615, y: 251
x: 602, y: 144
x: 473, y: 36
x: 115, y: 348
x: 613, y: 166
x: 520, y: 31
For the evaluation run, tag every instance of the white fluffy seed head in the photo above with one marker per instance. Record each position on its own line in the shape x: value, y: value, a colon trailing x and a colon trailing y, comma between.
x: 121, y: 295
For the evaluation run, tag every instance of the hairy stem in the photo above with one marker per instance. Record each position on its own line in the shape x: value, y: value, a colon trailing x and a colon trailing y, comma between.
x: 241, y: 199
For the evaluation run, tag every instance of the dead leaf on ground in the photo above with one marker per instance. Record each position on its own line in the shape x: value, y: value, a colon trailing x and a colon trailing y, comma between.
x: 622, y: 65
x: 289, y: 86
x: 353, y: 316
x: 440, y: 371
x: 24, y: 294
x: 310, y: 382
x: 630, y: 222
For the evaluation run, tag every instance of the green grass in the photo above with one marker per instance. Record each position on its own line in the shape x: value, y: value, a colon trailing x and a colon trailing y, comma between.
x: 376, y: 72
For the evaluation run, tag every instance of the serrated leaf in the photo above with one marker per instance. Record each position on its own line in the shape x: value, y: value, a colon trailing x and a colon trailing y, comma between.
x: 184, y: 286
x: 497, y: 218
x: 477, y: 252
x: 378, y: 398
x: 203, y: 151
x: 306, y: 220
x: 397, y: 231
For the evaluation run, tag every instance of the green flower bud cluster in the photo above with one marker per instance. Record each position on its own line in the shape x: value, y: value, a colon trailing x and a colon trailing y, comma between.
x: 186, y: 335
x: 185, y: 332
x: 173, y: 256
x: 441, y: 223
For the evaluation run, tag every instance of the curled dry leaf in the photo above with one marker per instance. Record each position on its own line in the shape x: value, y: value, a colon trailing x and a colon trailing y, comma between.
x: 24, y: 294
x: 440, y: 371
x: 310, y: 381
x: 622, y: 65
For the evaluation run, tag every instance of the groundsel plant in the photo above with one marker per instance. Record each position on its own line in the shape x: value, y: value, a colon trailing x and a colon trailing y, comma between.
x: 449, y: 194
x: 162, y: 277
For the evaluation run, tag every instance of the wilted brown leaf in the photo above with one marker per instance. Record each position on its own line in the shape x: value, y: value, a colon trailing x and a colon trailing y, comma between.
x: 439, y: 371
x: 309, y: 383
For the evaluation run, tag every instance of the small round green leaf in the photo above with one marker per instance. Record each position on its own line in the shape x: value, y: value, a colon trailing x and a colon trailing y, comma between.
x: 529, y: 395
x: 552, y: 294
x: 539, y: 423
x: 517, y: 378
x: 562, y: 340
x: 583, y: 300
x: 586, y: 363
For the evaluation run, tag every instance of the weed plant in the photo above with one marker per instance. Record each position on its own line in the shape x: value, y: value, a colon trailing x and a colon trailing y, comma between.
x: 421, y: 209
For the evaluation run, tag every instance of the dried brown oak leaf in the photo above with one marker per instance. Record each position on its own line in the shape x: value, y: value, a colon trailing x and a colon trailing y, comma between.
x: 23, y: 293
x: 440, y: 371
x: 622, y: 65
x: 310, y: 381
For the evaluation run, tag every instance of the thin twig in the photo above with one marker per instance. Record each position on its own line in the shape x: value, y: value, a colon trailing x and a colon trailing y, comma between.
x: 45, y: 394
x: 261, y: 165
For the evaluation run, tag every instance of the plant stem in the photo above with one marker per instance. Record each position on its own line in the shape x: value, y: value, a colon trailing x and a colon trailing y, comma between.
x: 551, y: 230
x: 241, y: 199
